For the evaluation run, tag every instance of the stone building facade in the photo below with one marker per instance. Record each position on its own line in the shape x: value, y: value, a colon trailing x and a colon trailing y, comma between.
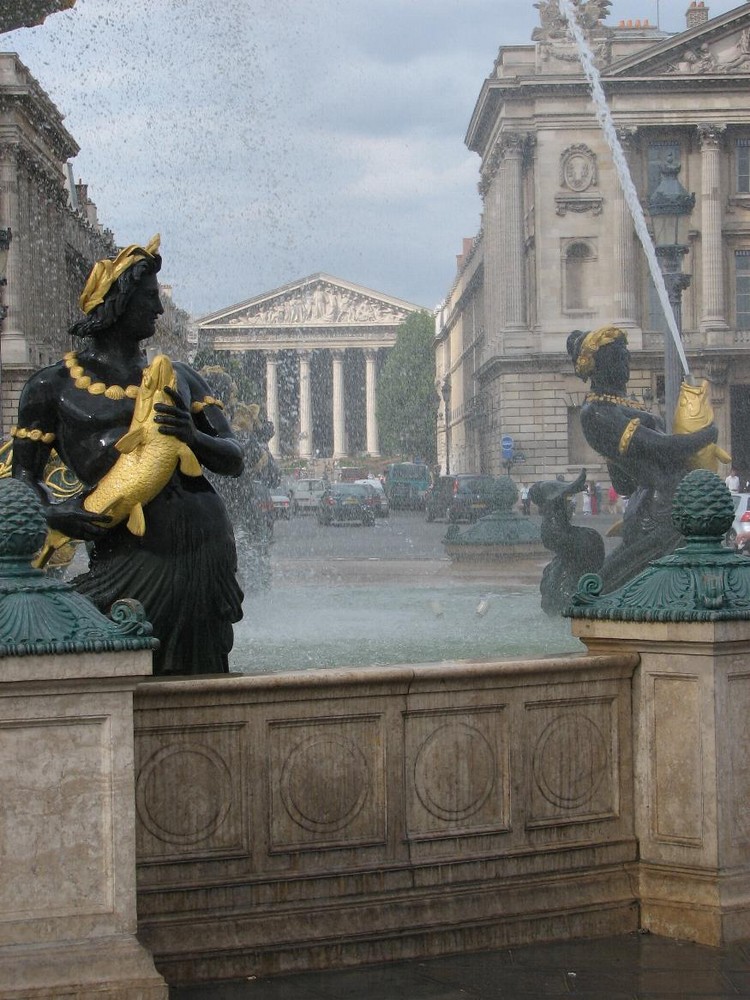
x: 55, y: 233
x: 318, y: 344
x: 557, y: 249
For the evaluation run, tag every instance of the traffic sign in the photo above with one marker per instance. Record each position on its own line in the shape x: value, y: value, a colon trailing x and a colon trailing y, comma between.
x: 506, y: 443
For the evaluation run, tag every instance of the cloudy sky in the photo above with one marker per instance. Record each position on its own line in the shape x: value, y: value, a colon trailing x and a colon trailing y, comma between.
x: 270, y: 139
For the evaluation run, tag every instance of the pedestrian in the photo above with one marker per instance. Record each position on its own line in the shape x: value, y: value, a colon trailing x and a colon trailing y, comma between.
x: 586, y: 509
x: 595, y: 496
x: 733, y: 481
x: 612, y: 500
x: 525, y: 500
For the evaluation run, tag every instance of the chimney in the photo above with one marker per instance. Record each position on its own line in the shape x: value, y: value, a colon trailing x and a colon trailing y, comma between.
x: 696, y: 14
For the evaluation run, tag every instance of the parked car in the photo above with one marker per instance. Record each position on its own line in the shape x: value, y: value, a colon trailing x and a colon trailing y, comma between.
x: 282, y: 505
x: 462, y: 497
x: 739, y: 534
x: 306, y: 493
x: 382, y: 507
x: 346, y: 502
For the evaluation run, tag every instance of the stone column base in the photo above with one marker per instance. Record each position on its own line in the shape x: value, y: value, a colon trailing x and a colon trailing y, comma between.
x: 106, y: 969
x: 695, y: 905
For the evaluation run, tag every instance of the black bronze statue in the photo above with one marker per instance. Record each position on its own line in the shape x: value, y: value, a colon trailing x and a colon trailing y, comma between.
x: 576, y: 550
x: 110, y: 415
x: 645, y: 463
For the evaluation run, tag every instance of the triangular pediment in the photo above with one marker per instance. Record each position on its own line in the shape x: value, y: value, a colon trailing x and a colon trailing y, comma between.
x: 319, y: 300
x: 719, y: 47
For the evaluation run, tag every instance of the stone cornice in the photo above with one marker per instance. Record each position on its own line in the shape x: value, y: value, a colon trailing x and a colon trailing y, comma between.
x: 226, y: 338
x: 24, y: 93
x: 523, y: 90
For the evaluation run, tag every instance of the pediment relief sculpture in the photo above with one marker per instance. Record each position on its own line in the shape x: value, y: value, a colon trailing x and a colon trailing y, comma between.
x: 702, y: 58
x: 322, y: 304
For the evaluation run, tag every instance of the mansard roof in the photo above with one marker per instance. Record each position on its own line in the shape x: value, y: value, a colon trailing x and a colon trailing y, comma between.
x: 319, y: 300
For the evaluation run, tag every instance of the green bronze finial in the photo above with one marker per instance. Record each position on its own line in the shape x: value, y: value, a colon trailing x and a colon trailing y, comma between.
x: 41, y: 615
x: 702, y: 581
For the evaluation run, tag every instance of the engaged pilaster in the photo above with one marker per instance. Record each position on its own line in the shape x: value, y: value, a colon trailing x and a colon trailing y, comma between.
x: 712, y: 322
x: 625, y: 255
x: 14, y: 348
x: 513, y: 277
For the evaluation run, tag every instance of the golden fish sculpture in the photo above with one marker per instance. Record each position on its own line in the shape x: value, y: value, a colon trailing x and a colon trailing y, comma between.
x: 693, y: 413
x: 147, y: 462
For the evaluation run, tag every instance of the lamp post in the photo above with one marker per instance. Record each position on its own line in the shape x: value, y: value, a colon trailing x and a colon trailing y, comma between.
x: 445, y: 392
x: 670, y: 207
x: 5, y: 238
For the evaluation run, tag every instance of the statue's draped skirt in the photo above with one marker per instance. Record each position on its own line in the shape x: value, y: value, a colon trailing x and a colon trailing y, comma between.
x: 183, y: 571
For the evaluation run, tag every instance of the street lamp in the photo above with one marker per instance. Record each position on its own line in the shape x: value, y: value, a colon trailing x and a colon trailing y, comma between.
x: 445, y: 392
x: 5, y: 238
x: 670, y: 207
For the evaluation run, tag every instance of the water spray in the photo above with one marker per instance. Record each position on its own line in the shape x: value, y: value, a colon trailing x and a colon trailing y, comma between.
x: 604, y: 117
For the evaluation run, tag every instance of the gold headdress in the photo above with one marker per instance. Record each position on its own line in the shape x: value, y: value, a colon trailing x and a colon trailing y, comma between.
x: 584, y: 363
x: 106, y: 272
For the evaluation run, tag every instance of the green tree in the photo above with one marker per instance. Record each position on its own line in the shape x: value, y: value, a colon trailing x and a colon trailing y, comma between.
x: 407, y: 400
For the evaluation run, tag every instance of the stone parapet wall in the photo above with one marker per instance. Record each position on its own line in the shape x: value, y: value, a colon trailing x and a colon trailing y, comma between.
x: 339, y: 817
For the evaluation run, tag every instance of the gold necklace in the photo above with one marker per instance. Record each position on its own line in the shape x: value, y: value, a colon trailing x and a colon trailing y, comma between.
x: 607, y: 397
x: 84, y: 381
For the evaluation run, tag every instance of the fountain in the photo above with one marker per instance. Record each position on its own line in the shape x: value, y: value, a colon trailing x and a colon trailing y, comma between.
x: 502, y: 534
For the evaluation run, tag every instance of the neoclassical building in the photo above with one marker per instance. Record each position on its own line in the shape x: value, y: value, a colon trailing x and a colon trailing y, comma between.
x: 56, y: 236
x: 557, y: 249
x: 318, y: 344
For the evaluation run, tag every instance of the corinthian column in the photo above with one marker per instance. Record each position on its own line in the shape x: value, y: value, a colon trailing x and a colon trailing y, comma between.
x: 371, y: 409
x: 13, y: 347
x: 339, y: 421
x: 712, y: 321
x: 272, y: 400
x: 512, y: 270
x: 305, y: 407
x: 625, y: 257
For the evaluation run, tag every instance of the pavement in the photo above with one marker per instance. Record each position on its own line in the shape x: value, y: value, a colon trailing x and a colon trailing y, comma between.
x: 627, y: 967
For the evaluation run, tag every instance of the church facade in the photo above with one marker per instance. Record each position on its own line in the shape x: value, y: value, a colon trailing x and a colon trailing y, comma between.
x: 319, y: 343
x: 557, y: 248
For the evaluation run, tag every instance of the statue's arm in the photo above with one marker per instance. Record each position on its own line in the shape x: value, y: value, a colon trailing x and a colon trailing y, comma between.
x: 203, y: 427
x: 669, y: 449
x: 616, y: 432
x: 35, y: 438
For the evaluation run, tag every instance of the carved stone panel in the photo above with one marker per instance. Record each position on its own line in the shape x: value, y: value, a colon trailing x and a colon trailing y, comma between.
x: 578, y: 181
x: 738, y: 708
x: 457, y: 766
x: 57, y: 807
x: 573, y: 757
x: 676, y: 763
x: 189, y: 792
x: 327, y: 781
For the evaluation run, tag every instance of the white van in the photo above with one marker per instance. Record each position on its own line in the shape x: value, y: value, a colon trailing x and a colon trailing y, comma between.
x: 306, y: 494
